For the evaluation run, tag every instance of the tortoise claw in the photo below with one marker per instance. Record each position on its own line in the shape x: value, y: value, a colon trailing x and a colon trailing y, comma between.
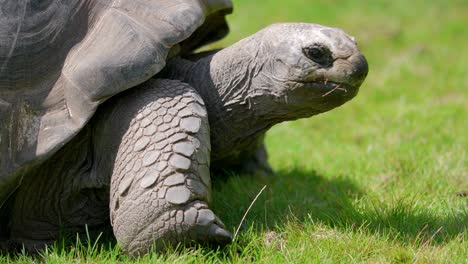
x: 220, y: 235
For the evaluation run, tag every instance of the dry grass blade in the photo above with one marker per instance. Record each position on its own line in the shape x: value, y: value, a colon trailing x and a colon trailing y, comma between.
x: 336, y: 88
x: 247, y: 211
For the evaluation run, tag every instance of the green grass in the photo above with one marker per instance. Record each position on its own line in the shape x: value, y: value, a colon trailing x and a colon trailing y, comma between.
x: 373, y: 181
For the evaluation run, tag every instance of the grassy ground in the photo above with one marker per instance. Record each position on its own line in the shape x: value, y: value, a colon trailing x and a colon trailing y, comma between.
x: 373, y: 181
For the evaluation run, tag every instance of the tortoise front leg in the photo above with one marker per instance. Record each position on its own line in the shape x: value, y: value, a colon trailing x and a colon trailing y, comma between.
x: 160, y: 185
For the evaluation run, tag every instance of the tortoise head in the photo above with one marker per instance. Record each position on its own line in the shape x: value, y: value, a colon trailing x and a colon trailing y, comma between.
x: 307, y: 68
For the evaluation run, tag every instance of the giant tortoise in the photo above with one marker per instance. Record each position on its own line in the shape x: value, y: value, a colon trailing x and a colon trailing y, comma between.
x: 107, y: 116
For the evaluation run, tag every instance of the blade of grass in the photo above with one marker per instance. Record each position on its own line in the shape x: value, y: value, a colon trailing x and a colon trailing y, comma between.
x: 247, y: 211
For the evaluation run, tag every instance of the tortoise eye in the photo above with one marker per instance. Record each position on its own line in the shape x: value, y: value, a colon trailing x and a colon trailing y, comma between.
x: 319, y: 54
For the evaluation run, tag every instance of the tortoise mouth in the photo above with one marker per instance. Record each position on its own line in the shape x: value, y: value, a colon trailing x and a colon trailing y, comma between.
x: 326, y: 88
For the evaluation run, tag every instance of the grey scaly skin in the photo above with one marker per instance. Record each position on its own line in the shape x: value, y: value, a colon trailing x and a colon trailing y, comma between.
x: 150, y: 149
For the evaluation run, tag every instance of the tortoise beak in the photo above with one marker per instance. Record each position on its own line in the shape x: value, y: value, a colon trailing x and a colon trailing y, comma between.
x: 359, y: 71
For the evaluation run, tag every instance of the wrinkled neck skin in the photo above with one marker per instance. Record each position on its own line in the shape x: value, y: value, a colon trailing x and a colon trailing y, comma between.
x: 239, y: 112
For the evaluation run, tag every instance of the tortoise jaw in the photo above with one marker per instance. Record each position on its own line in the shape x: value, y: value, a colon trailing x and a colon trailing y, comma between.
x: 326, y: 88
x: 320, y: 96
x: 329, y: 87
